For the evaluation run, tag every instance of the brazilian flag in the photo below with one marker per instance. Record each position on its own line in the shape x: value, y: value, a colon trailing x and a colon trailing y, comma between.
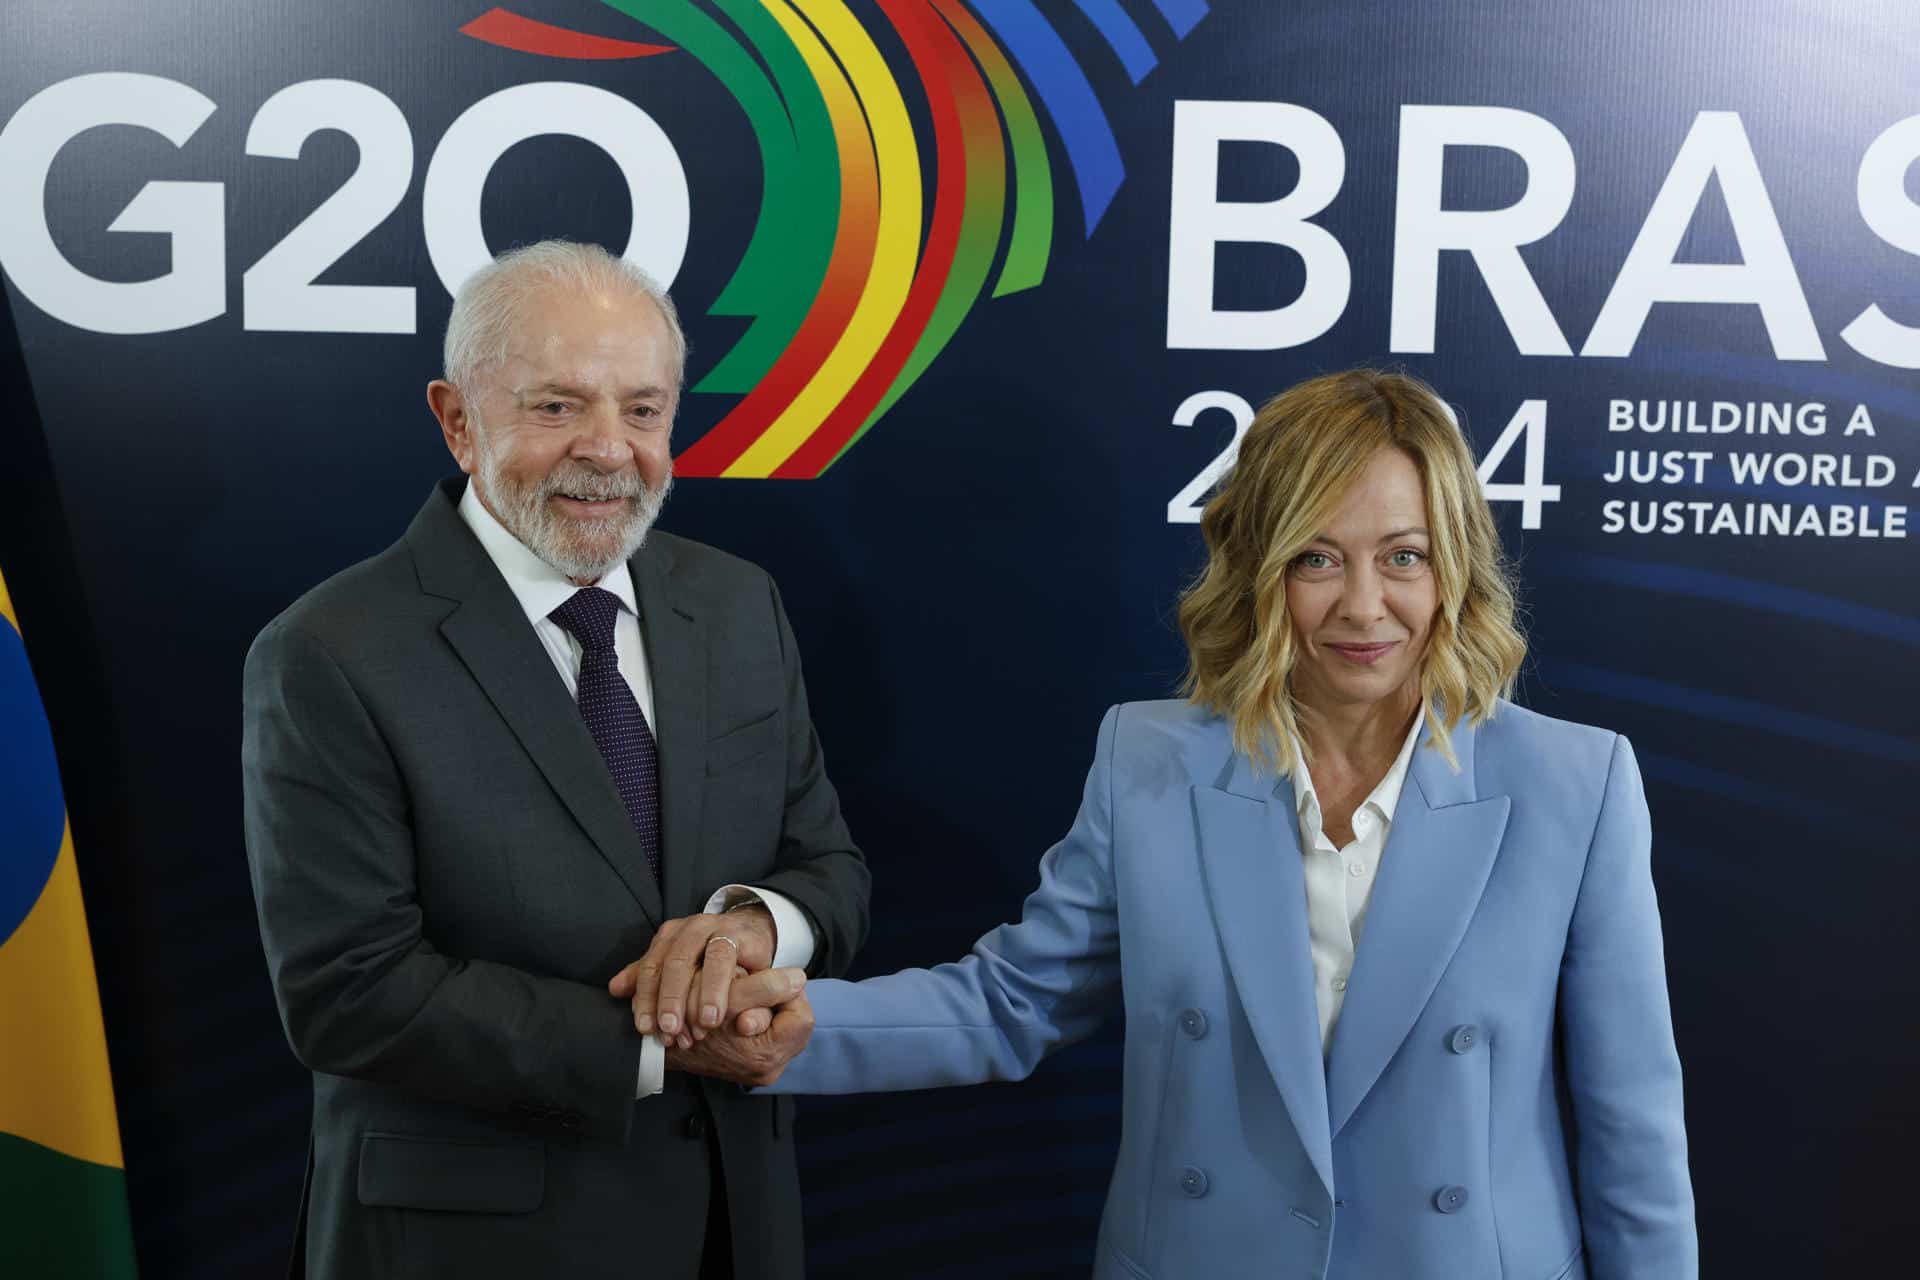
x: 63, y: 1182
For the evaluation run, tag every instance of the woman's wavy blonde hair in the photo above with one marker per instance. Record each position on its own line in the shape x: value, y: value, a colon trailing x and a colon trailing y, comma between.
x: 1299, y: 458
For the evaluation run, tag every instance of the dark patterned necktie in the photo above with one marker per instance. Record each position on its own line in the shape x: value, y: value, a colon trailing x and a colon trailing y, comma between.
x: 613, y: 716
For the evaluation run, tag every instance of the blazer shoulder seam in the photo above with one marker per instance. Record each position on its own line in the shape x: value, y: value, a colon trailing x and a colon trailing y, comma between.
x: 1600, y: 811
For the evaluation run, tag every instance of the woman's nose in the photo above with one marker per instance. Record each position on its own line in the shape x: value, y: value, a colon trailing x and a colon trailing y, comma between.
x: 1361, y: 599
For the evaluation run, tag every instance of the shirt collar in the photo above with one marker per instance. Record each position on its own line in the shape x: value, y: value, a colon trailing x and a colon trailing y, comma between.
x: 538, y: 586
x: 1385, y: 796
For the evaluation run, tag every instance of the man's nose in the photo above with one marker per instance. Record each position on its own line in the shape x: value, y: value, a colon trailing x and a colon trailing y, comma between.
x: 600, y: 437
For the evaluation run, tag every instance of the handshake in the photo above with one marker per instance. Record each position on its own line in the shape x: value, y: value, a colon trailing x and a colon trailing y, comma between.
x: 707, y: 989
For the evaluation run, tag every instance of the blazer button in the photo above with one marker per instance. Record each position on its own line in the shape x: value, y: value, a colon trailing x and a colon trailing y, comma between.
x: 1463, y: 1038
x: 1193, y: 1182
x: 1194, y: 1023
x: 695, y: 1126
x: 1450, y: 1199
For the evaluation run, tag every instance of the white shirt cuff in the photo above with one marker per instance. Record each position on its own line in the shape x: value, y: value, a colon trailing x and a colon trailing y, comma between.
x: 793, y: 940
x: 653, y: 1068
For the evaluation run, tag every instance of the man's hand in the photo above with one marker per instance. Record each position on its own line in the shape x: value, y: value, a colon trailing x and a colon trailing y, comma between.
x: 694, y: 957
x: 754, y: 999
x: 725, y: 1054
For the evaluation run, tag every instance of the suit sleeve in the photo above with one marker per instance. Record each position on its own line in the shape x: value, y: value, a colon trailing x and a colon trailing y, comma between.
x: 818, y: 868
x: 1623, y: 1072
x: 1024, y: 990
x: 362, y: 992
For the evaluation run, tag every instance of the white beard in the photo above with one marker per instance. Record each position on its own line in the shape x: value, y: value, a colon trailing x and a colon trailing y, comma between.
x: 580, y: 549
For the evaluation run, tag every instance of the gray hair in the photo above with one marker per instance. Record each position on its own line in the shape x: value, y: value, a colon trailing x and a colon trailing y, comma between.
x: 487, y: 308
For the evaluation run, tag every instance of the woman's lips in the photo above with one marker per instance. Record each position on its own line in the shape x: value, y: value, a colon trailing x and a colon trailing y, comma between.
x: 1363, y: 654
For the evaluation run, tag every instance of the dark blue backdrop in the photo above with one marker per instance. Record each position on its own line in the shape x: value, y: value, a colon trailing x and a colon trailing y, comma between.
x: 992, y: 565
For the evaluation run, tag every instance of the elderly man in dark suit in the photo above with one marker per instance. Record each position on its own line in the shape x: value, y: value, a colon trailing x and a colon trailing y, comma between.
x: 527, y: 758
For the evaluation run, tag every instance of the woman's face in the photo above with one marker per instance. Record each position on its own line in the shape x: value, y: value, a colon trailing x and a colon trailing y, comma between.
x: 1362, y: 596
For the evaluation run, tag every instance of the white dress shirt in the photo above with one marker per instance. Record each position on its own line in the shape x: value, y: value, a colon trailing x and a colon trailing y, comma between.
x: 540, y: 588
x: 1340, y: 881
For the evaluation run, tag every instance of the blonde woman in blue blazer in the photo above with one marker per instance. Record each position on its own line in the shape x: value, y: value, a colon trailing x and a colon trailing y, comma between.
x: 1386, y: 943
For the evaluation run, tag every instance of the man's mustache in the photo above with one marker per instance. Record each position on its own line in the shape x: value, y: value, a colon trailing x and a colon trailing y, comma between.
x: 597, y: 486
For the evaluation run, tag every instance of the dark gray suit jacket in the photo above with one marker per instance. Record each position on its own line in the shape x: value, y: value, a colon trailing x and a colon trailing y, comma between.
x: 446, y: 879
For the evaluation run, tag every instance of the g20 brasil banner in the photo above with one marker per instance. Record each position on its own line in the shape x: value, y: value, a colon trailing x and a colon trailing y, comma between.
x: 853, y: 282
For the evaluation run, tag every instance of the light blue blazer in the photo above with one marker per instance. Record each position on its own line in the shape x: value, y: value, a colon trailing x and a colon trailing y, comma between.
x: 1502, y: 1097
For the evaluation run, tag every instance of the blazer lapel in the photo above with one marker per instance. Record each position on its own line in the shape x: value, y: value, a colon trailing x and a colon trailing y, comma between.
x: 677, y: 658
x: 1250, y: 857
x: 491, y: 635
x: 1438, y: 856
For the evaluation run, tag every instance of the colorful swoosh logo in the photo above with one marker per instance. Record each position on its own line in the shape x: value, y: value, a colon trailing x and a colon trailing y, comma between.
x: 868, y: 253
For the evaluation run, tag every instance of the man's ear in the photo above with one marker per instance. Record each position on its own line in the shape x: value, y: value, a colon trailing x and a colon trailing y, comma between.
x: 449, y: 407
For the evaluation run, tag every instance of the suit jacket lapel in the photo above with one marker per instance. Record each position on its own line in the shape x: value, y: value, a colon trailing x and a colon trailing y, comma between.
x: 491, y: 635
x: 1250, y: 856
x: 1438, y: 856
x: 677, y: 656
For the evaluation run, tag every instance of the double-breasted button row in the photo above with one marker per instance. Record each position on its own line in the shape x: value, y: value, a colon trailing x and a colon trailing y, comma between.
x: 1463, y: 1038
x: 1192, y: 1181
